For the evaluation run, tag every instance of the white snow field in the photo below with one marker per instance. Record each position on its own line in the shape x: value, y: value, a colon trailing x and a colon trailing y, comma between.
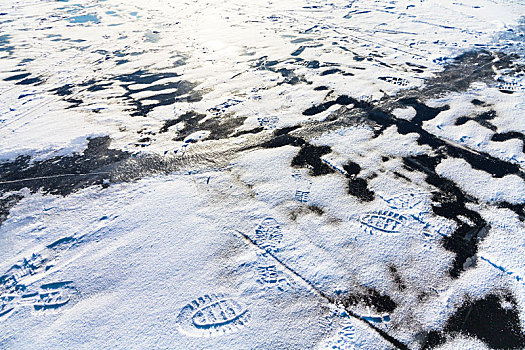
x: 290, y: 174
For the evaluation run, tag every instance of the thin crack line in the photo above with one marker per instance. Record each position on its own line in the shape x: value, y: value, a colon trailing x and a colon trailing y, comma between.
x: 50, y: 177
x: 398, y: 344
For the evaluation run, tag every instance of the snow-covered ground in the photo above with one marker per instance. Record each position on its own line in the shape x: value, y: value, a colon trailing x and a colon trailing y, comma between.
x: 285, y: 174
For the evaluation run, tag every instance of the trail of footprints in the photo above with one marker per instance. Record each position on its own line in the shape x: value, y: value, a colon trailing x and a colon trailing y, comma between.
x: 268, y: 236
x: 218, y: 314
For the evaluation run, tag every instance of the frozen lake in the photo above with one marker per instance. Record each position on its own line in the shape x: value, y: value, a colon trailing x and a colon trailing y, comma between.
x: 290, y: 174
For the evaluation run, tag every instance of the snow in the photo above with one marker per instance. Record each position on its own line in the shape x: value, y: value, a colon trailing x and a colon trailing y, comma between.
x: 510, y: 188
x: 144, y: 258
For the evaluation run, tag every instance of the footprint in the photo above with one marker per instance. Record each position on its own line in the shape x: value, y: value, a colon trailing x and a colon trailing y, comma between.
x: 269, y: 275
x: 332, y: 319
x: 395, y: 81
x: 50, y: 296
x: 212, y: 315
x: 37, y: 263
x: 221, y: 108
x: 7, y: 305
x: 509, y: 87
x: 26, y: 267
x: 343, y: 340
x: 302, y: 196
x: 383, y: 222
x: 407, y: 201
x: 51, y: 300
x: 62, y: 243
x: 415, y: 205
x: 268, y: 234
x: 302, y: 187
x: 347, y: 331
x: 268, y: 122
